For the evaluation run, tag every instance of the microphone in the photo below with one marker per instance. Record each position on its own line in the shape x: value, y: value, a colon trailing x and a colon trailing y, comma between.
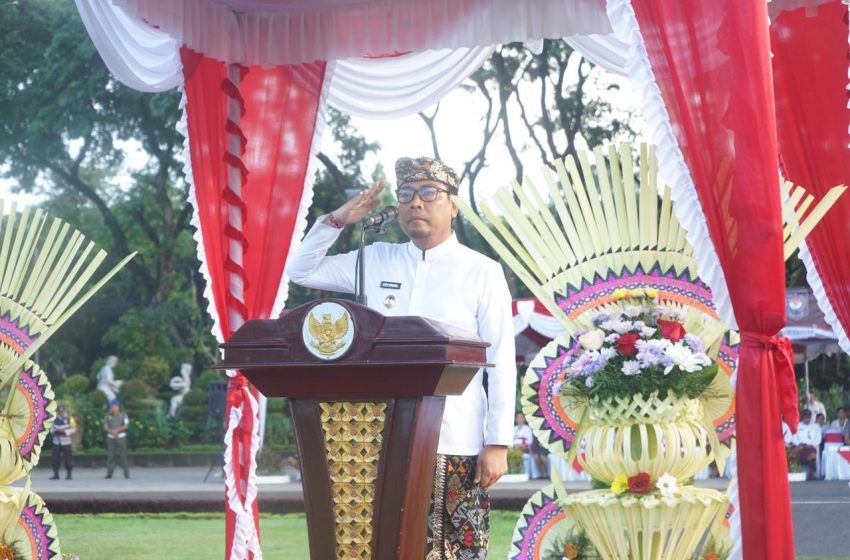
x: 385, y: 216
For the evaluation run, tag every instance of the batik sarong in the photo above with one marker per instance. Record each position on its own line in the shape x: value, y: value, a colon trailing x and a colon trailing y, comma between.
x: 459, y: 516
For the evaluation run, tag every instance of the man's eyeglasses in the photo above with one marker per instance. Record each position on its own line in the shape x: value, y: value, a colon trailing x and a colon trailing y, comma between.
x: 426, y: 193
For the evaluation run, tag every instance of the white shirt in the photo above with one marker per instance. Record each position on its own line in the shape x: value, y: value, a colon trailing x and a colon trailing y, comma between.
x: 523, y: 436
x: 807, y: 434
x: 449, y: 283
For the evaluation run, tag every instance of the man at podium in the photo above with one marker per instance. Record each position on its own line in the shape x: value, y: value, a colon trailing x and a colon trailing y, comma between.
x: 435, y: 277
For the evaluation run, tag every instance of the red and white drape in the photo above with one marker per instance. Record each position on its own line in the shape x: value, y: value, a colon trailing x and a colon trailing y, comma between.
x: 251, y: 133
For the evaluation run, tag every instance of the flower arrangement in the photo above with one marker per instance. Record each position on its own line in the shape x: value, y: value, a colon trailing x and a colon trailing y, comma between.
x: 636, y: 347
x: 792, y: 454
x: 641, y: 484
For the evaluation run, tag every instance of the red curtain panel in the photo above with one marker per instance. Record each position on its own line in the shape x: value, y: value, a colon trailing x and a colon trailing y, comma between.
x: 810, y: 55
x: 711, y: 62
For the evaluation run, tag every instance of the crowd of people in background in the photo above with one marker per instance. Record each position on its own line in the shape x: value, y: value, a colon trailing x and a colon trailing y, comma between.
x: 813, y: 432
x: 535, y: 456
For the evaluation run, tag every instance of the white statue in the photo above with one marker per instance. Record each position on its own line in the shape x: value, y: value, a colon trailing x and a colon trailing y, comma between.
x: 106, y: 381
x: 181, y: 383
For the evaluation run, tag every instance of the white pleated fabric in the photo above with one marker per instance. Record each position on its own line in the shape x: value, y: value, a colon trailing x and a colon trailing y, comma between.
x: 305, y: 31
x: 606, y: 51
x: 814, y: 280
x: 388, y: 88
x: 140, y: 56
x: 148, y: 59
x: 527, y: 317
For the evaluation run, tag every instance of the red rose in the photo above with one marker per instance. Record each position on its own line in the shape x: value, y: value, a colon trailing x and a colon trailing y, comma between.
x: 671, y: 330
x: 626, y: 344
x: 640, y: 483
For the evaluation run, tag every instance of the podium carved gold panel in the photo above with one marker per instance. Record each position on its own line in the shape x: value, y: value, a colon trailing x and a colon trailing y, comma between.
x: 353, y: 433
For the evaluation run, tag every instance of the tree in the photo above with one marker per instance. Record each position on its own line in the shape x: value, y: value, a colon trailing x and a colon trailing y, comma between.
x: 547, y: 93
x: 107, y: 158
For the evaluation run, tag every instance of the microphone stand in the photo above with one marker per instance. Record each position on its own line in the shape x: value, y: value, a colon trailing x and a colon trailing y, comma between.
x: 360, y: 290
x: 360, y: 267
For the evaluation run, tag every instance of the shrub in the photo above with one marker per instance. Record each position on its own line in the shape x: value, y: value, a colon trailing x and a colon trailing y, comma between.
x: 205, y: 378
x: 195, y: 397
x: 73, y: 386
x: 515, y: 461
x: 278, y: 429
x: 155, y: 372
x: 98, y: 400
x: 134, y: 390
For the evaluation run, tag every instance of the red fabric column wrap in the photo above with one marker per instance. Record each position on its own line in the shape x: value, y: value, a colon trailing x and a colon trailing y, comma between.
x: 711, y: 62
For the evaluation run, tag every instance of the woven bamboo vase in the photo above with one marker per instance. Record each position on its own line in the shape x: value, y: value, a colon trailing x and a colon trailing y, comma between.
x: 653, y: 434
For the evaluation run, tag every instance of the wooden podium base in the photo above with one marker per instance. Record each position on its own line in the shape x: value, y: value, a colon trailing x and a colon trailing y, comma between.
x: 367, y: 472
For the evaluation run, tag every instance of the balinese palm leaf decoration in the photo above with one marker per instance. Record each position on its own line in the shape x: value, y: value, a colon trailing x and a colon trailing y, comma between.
x: 598, y: 225
x: 35, y: 532
x: 47, y: 271
x: 798, y: 216
x: 31, y: 413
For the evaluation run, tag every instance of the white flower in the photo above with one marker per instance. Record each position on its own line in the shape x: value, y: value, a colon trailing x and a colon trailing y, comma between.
x: 667, y: 485
x: 622, y: 327
x: 611, y: 338
x: 647, y: 332
x: 633, y: 311
x: 592, y: 340
x: 609, y: 324
x: 683, y: 358
x: 631, y: 367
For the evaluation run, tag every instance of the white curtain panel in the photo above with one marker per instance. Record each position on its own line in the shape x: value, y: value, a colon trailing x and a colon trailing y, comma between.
x: 388, y: 88
x: 140, y: 56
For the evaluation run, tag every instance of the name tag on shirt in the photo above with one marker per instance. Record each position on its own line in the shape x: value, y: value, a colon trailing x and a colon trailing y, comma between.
x: 391, y: 285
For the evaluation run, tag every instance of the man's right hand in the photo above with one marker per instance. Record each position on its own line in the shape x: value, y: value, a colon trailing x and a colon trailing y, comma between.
x: 356, y: 209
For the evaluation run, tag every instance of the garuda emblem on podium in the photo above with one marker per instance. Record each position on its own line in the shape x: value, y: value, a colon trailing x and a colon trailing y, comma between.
x: 328, y: 331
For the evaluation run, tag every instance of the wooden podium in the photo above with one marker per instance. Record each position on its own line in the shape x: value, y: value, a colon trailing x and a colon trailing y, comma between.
x: 366, y: 394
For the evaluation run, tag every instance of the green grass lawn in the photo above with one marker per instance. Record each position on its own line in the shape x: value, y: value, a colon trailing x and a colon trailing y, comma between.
x: 201, y: 536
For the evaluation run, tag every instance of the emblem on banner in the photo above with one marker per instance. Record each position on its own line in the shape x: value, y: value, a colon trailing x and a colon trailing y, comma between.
x: 796, y: 305
x: 328, y: 331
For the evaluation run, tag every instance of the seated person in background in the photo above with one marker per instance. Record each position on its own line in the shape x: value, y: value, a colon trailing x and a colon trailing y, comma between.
x: 522, y: 440
x: 541, y: 458
x: 807, y: 439
x: 820, y: 420
x: 841, y: 424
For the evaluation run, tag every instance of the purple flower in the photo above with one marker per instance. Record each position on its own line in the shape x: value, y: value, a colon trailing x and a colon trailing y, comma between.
x: 693, y: 342
x: 588, y: 382
x: 599, y: 319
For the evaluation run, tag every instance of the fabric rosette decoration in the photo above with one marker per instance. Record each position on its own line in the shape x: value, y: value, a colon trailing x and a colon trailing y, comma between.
x: 637, y: 347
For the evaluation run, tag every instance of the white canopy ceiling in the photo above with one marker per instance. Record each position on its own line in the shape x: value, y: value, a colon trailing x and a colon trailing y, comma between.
x: 293, y: 31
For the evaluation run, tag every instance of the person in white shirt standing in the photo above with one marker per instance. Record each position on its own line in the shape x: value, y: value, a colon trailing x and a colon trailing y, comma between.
x: 436, y: 277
